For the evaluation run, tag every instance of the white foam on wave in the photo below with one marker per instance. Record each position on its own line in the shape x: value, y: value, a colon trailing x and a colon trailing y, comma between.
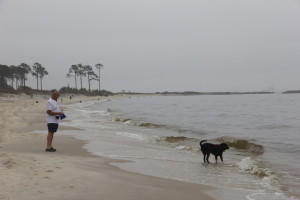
x: 268, y: 179
x: 127, y: 122
x: 251, y: 166
x: 87, y: 124
x: 92, y: 112
x: 247, y: 165
x: 137, y: 136
x: 80, y: 105
x: 121, y: 120
x: 268, y: 196
x: 181, y: 147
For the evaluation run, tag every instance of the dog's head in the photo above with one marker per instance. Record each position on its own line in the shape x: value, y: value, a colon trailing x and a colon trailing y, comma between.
x: 224, y: 146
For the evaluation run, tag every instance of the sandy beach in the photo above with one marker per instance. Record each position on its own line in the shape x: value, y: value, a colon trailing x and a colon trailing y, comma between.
x: 28, y: 172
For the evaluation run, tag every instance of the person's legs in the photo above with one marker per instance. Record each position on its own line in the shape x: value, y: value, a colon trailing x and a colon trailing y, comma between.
x: 52, y: 128
x: 49, y: 140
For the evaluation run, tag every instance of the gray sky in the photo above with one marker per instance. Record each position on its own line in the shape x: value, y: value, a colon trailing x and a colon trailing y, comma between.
x: 157, y: 45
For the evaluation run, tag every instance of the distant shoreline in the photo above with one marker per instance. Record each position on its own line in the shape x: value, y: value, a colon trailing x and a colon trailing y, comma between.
x: 291, y: 91
x: 203, y: 93
x: 186, y: 93
x: 210, y: 93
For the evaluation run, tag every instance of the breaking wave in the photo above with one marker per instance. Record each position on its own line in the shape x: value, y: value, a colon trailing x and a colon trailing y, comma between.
x: 268, y: 177
x: 173, y: 139
x: 239, y: 144
x: 243, y: 144
x: 251, y: 166
x: 193, y: 142
x: 121, y: 120
x: 151, y: 125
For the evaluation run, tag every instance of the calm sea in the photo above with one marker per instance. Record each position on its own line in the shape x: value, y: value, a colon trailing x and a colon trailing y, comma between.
x: 161, y: 135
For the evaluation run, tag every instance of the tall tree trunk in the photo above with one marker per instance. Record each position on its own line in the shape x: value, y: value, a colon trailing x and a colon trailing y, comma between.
x: 99, y: 79
x: 37, y: 82
x: 75, y: 81
x: 89, y: 82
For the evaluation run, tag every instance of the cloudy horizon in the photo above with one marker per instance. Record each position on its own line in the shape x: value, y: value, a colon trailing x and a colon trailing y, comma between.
x: 157, y: 46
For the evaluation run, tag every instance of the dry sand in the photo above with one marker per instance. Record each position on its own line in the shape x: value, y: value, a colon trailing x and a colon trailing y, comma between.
x: 28, y: 172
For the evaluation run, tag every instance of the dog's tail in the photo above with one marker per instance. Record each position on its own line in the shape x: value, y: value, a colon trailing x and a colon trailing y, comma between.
x: 202, y: 142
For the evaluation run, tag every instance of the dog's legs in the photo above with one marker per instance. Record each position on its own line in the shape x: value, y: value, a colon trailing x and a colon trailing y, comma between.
x: 221, y: 156
x: 207, y: 157
x: 204, y: 157
x: 216, y: 157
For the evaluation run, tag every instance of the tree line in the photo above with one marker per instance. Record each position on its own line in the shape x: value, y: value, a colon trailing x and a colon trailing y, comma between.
x: 81, y: 71
x: 15, y: 77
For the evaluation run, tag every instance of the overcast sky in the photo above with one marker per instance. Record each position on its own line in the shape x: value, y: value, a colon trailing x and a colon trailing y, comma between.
x: 157, y: 45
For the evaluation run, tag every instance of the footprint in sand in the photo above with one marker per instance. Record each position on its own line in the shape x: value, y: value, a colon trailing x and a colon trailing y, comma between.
x: 68, y: 187
x: 9, y: 164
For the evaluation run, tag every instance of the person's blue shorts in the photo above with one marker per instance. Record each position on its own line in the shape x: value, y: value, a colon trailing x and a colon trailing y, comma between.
x: 52, y: 128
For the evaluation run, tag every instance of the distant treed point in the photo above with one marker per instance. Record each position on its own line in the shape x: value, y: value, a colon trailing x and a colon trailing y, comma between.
x: 15, y: 77
x: 81, y: 71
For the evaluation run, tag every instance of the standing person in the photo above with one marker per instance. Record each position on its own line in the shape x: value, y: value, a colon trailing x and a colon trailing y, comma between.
x: 53, y: 114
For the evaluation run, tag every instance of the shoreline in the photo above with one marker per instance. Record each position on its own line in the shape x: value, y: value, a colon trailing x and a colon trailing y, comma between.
x: 30, y: 173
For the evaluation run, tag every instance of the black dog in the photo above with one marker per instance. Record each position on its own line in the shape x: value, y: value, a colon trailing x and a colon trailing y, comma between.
x: 215, y: 149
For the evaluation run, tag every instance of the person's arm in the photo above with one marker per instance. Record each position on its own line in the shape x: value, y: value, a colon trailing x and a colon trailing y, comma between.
x: 49, y: 112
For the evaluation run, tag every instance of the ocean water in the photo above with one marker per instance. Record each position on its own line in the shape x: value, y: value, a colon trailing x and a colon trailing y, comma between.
x: 160, y: 136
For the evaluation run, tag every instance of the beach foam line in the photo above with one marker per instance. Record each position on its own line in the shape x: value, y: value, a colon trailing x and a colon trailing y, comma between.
x: 137, y: 136
x: 251, y: 166
x: 269, y: 179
